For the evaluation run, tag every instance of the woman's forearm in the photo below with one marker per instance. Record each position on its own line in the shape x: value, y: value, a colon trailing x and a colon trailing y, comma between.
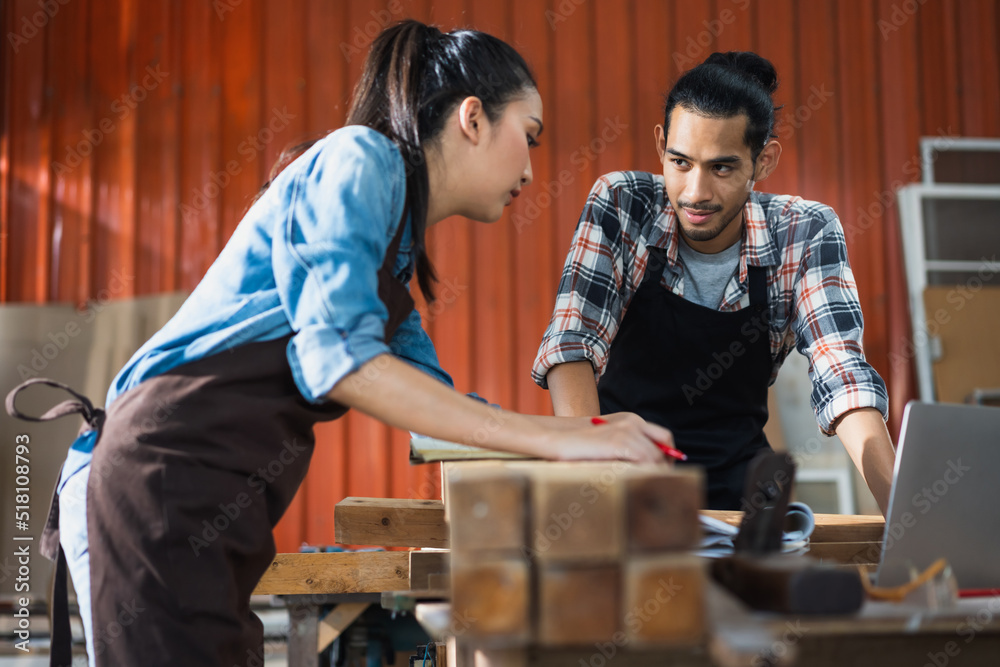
x: 399, y: 395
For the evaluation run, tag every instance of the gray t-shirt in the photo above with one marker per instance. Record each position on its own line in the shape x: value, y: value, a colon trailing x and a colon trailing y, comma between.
x: 706, y: 276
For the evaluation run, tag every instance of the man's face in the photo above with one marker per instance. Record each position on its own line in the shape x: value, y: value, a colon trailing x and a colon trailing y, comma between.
x: 709, y: 175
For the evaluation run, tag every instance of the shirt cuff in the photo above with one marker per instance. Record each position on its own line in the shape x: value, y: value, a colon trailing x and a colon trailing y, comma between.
x: 851, y: 398
x: 321, y: 355
x: 567, y: 347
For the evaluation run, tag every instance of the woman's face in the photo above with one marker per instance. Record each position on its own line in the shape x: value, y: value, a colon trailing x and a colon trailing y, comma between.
x: 502, y: 163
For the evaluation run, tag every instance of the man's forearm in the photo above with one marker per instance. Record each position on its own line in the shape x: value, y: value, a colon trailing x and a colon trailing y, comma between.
x: 573, y: 389
x: 867, y: 441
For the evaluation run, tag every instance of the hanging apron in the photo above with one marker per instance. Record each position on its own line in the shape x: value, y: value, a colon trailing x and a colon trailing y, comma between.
x: 697, y: 371
x: 184, y: 479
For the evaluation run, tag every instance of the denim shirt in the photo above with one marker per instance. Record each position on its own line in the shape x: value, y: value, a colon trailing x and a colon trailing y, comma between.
x: 304, y: 260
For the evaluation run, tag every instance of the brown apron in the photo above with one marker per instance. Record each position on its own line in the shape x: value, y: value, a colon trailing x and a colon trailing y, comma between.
x: 191, y: 471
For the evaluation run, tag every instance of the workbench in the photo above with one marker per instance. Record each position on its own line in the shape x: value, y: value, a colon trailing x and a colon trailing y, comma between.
x: 882, y: 633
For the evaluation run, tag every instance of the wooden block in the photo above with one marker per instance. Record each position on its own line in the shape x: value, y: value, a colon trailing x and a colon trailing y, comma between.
x: 578, y: 604
x: 664, y: 600
x: 390, y: 522
x: 425, y: 564
x: 487, y: 511
x: 329, y: 573
x: 577, y: 515
x: 490, y: 600
x: 661, y: 510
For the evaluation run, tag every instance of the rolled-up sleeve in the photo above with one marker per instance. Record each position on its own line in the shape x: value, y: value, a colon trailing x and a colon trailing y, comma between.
x: 829, y: 328
x: 343, y: 208
x: 412, y: 344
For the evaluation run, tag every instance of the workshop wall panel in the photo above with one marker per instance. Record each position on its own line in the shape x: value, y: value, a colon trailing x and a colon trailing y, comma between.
x: 135, y: 135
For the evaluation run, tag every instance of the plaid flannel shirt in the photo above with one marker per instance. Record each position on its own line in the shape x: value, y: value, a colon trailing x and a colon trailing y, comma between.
x: 812, y: 296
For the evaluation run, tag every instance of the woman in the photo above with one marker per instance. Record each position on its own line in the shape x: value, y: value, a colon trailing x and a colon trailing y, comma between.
x: 208, y: 431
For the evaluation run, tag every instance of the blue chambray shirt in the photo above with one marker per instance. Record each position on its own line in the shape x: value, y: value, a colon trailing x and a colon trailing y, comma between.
x: 304, y: 260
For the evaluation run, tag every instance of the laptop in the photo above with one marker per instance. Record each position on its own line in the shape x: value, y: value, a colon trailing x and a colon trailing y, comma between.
x: 945, y: 499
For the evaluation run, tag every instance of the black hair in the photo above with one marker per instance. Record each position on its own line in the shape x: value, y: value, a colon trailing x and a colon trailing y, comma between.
x: 726, y: 85
x: 413, y: 78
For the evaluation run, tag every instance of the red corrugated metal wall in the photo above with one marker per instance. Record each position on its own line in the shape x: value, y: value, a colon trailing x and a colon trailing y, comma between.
x: 134, y: 133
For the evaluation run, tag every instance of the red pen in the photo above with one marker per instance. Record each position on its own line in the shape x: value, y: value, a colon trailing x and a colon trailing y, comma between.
x: 666, y: 449
x: 978, y: 592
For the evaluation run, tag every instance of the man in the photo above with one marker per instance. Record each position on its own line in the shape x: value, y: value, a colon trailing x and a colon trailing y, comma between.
x: 683, y: 293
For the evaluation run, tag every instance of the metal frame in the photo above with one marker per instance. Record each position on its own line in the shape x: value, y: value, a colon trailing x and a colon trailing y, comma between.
x: 928, y: 145
x: 911, y: 221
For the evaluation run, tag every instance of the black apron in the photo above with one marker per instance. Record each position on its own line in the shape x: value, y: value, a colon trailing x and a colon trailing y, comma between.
x: 190, y: 472
x: 697, y: 371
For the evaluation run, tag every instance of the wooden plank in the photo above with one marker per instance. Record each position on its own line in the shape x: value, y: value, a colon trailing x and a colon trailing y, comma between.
x: 491, y: 598
x: 847, y: 553
x: 391, y: 522
x: 578, y: 603
x: 829, y: 527
x: 333, y: 624
x: 664, y: 600
x: 661, y: 510
x: 655, y: 53
x: 328, y: 573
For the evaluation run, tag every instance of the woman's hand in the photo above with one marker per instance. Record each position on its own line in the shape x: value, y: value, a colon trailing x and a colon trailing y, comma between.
x: 625, y: 436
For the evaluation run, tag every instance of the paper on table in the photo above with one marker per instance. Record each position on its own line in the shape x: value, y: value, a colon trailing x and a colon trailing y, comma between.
x: 429, y: 450
x: 717, y: 536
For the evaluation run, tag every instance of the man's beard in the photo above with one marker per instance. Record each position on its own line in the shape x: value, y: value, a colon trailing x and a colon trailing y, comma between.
x: 702, y: 234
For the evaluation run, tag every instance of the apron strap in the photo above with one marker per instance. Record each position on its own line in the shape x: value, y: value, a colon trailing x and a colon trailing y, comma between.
x: 758, y: 286
x: 61, y: 644
x: 82, y: 405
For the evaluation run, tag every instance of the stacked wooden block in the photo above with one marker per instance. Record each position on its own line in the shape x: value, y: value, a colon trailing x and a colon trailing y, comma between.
x: 570, y: 554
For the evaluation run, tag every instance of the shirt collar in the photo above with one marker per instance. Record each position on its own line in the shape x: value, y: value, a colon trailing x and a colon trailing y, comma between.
x: 758, y: 249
